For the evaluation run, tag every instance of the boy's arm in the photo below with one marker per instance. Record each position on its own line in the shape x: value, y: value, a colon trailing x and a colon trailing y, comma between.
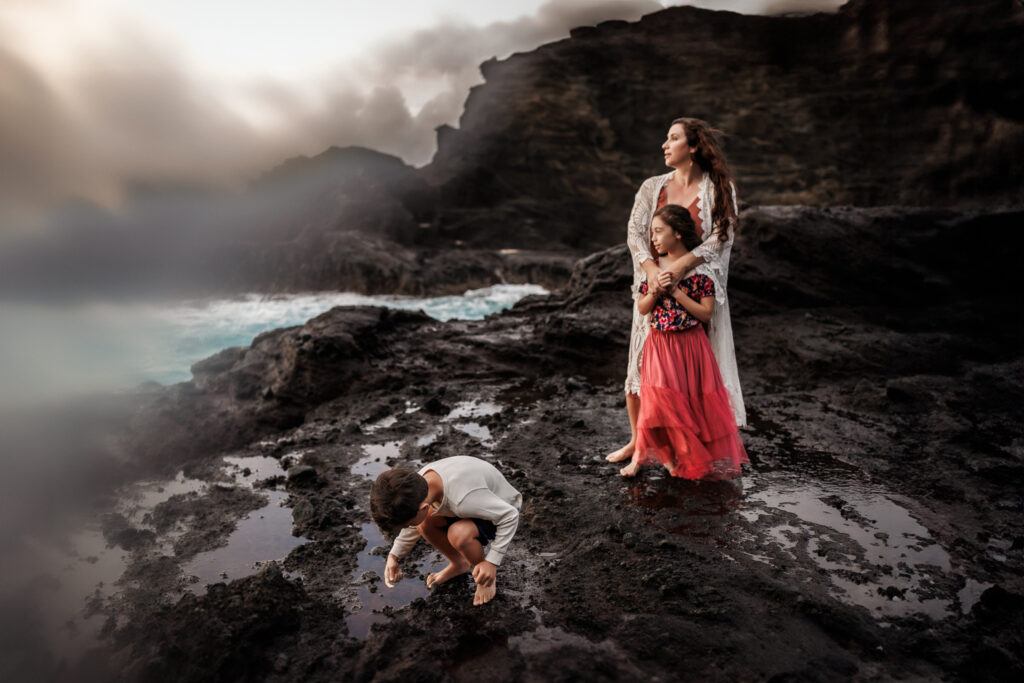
x: 404, y: 542
x: 700, y: 310
x: 484, y: 504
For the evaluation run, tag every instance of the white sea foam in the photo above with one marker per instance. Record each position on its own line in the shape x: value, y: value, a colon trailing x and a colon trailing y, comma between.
x: 53, y: 351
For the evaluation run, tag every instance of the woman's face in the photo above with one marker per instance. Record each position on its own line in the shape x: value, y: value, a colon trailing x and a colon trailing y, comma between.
x: 677, y: 152
x: 662, y: 235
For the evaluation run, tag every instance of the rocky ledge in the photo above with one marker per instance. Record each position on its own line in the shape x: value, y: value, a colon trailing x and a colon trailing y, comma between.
x: 877, y: 535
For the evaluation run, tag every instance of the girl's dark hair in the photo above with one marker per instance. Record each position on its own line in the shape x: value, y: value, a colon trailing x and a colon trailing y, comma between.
x: 679, y: 219
x: 711, y: 159
x: 395, y: 498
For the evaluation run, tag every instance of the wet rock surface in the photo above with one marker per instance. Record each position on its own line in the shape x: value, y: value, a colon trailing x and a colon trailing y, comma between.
x: 878, y: 534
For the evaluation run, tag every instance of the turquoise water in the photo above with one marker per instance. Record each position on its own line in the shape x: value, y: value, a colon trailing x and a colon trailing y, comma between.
x: 49, y: 351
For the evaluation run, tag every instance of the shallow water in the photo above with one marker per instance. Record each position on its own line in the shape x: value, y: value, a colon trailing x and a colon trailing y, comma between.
x: 374, y: 597
x: 86, y: 571
x: 460, y: 414
x: 375, y: 460
x: 261, y: 536
x: 875, y: 552
x: 863, y: 542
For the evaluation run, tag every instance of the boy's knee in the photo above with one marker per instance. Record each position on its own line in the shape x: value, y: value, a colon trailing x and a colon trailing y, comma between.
x: 462, y: 533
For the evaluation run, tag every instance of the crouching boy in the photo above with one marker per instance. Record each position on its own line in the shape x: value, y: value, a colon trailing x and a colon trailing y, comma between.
x: 459, y: 505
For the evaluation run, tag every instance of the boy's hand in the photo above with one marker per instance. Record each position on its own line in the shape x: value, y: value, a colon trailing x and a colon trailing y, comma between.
x: 484, y: 573
x: 392, y: 573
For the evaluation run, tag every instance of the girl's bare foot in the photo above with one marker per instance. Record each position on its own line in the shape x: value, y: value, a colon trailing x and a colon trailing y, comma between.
x: 631, y: 469
x: 485, y: 595
x: 624, y: 453
x: 450, y: 572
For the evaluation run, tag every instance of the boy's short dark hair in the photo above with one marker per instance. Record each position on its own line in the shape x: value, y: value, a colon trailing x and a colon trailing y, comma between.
x: 395, y: 498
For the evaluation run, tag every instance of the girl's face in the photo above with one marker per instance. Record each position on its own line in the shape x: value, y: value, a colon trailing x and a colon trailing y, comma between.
x: 677, y: 151
x: 664, y: 238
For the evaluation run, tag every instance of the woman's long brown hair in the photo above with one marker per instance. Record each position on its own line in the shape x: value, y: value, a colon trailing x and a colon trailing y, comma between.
x: 710, y: 158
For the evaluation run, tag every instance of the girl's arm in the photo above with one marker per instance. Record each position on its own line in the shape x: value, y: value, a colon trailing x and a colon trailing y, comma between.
x: 645, y: 303
x: 700, y: 310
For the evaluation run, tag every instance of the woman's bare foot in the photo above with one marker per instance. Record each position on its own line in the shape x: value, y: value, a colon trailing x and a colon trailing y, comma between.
x: 631, y: 469
x: 450, y: 572
x: 624, y: 453
x: 485, y: 595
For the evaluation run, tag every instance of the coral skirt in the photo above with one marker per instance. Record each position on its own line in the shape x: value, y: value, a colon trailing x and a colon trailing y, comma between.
x: 686, y: 421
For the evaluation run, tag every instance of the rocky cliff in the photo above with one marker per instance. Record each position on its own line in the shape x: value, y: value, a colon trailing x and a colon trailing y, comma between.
x: 884, y: 102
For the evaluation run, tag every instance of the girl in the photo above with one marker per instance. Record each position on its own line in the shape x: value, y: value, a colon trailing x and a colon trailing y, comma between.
x: 701, y: 181
x: 686, y: 420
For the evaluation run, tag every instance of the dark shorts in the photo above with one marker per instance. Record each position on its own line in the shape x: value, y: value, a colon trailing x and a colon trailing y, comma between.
x: 485, y: 530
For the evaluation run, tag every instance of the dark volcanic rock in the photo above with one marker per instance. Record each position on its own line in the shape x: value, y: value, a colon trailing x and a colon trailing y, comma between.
x: 878, y: 386
x: 238, y: 395
x: 885, y: 102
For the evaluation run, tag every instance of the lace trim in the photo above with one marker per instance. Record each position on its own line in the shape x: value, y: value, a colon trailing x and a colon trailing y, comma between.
x: 637, y: 338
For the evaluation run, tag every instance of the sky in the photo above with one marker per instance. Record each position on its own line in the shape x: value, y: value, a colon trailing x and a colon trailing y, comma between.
x: 97, y: 95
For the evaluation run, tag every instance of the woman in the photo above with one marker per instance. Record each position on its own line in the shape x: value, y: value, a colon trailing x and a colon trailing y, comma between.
x: 701, y: 182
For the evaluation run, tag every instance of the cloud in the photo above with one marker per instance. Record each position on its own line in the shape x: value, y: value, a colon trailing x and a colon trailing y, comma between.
x: 134, y: 111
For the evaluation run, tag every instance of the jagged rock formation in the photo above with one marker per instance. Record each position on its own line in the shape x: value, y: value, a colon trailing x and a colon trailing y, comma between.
x: 885, y: 102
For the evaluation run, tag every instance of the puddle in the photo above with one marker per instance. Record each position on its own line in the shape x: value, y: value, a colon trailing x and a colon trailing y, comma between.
x: 428, y: 438
x: 477, y: 431
x: 375, y: 460
x: 261, y: 536
x: 139, y: 500
x: 466, y: 409
x: 545, y: 638
x: 68, y: 586
x: 374, y: 597
x: 873, y: 551
x: 254, y: 469
x: 685, y: 508
x: 970, y: 594
x: 383, y: 423
x: 864, y: 543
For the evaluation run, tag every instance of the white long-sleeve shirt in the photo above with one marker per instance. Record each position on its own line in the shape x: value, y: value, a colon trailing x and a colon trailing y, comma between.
x: 472, y: 488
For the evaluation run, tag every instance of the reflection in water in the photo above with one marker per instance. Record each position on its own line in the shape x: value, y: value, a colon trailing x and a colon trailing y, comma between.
x: 875, y: 553
x: 374, y: 596
x: 864, y: 545
x: 263, y: 535
x: 699, y: 510
x: 376, y: 459
x: 473, y: 409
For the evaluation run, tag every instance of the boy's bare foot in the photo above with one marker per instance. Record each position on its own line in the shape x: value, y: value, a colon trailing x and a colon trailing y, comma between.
x: 630, y: 470
x: 448, y: 573
x: 623, y: 453
x: 485, y: 595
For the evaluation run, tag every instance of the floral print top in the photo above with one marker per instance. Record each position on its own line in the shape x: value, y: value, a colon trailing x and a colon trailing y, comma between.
x: 668, y: 315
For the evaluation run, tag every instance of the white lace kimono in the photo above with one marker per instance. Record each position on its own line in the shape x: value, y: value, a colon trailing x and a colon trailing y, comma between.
x: 716, y: 266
